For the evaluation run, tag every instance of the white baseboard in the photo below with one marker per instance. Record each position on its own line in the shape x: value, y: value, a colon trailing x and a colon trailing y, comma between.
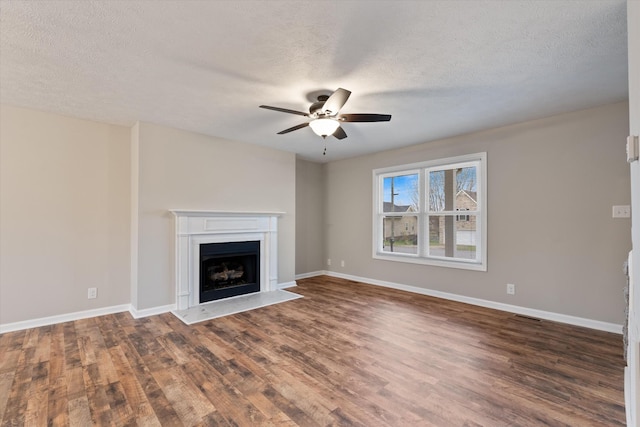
x: 286, y: 285
x: 312, y: 274
x: 51, y: 320
x: 70, y: 317
x: 146, y: 312
x: 540, y: 314
x: 137, y: 314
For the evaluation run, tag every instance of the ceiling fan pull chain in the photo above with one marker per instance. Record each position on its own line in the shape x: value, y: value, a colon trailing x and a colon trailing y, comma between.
x: 324, y: 153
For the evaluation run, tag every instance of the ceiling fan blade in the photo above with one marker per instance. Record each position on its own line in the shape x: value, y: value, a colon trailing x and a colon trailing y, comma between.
x: 336, y: 101
x: 284, y: 110
x: 303, y: 125
x: 340, y: 133
x: 364, y: 117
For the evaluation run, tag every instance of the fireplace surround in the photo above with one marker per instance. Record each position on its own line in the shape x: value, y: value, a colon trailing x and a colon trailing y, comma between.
x: 196, y: 229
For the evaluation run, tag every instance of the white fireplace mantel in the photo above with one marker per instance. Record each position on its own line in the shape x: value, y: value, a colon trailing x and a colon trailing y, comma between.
x: 196, y: 227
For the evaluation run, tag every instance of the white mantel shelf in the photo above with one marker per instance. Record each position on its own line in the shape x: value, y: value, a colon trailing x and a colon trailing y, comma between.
x: 196, y: 227
x: 196, y: 213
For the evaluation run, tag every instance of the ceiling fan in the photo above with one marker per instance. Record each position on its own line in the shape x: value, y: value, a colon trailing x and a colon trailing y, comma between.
x: 325, y: 117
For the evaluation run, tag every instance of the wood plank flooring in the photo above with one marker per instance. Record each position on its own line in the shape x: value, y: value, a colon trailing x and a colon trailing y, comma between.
x: 345, y: 354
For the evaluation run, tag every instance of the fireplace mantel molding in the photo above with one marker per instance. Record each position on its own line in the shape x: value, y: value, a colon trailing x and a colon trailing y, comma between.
x: 196, y: 227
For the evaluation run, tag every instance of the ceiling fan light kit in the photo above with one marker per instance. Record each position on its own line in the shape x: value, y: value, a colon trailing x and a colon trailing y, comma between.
x: 325, y: 117
x: 324, y: 127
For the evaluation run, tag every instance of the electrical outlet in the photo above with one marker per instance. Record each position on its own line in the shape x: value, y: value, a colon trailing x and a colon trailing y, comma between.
x: 623, y: 211
x: 328, y: 261
x: 511, y: 289
x: 92, y: 293
x: 342, y: 263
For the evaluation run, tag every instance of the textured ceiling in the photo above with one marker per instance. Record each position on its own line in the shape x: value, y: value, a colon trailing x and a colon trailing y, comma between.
x: 441, y: 68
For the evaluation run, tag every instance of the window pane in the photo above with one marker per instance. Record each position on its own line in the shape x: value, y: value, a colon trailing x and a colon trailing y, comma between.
x: 436, y: 191
x: 400, y: 193
x: 400, y: 234
x: 453, y: 189
x: 453, y: 238
x: 466, y: 189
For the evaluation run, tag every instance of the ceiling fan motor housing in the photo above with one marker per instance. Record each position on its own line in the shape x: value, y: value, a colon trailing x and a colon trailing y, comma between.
x: 317, y: 106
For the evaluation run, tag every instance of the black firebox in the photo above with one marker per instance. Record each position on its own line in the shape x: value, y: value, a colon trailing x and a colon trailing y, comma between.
x: 229, y: 269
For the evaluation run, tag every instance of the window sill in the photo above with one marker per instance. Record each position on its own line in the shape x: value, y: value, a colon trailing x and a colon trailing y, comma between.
x: 415, y: 259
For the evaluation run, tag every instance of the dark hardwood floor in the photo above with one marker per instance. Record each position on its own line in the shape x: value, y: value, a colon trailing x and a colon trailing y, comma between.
x: 346, y: 354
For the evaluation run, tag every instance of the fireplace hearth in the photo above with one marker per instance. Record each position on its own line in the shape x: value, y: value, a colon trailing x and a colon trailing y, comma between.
x: 229, y: 269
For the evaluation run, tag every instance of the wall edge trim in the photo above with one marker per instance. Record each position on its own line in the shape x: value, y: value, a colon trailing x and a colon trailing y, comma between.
x: 311, y: 274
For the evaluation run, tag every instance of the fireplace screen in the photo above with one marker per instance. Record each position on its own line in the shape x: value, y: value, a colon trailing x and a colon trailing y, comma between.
x: 229, y: 269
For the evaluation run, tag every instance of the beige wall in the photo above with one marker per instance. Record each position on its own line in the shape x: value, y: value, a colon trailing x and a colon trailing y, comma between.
x: 182, y: 170
x: 64, y: 214
x: 74, y: 216
x: 309, y: 217
x: 559, y: 175
x: 65, y: 190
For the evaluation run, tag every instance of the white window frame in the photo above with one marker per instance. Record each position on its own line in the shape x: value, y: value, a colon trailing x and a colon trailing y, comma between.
x: 422, y: 169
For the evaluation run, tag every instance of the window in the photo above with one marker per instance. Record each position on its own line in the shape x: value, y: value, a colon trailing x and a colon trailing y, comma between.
x: 417, y: 213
